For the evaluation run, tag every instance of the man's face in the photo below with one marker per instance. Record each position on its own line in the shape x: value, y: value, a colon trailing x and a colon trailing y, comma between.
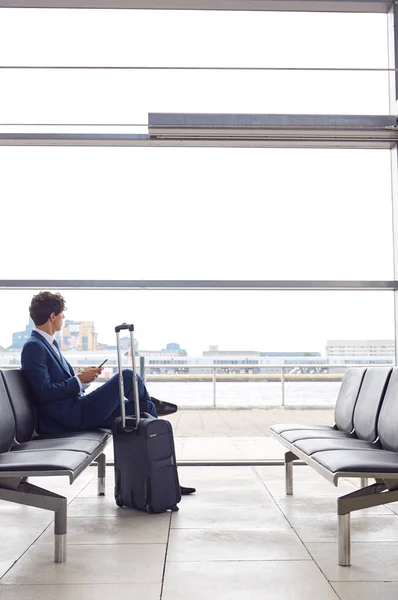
x: 58, y: 320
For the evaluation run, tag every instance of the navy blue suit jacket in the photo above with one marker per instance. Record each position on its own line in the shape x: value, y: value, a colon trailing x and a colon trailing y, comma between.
x: 56, y: 391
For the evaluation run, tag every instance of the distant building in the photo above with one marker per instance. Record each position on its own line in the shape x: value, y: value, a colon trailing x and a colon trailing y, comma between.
x: 124, y: 345
x: 360, y: 351
x: 253, y: 361
x: 20, y: 337
x: 171, y: 355
x: 316, y: 363
x: 79, y: 335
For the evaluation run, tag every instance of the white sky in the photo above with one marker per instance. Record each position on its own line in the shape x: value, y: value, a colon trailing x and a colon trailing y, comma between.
x: 170, y: 213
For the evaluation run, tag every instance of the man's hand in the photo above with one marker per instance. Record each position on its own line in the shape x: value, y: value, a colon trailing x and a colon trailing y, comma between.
x: 89, y: 374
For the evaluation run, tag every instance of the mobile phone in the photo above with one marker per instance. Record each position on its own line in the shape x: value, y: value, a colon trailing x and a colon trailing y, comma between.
x: 102, y: 363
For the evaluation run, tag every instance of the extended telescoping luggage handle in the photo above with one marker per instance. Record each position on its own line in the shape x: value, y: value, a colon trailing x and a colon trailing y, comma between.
x: 118, y: 329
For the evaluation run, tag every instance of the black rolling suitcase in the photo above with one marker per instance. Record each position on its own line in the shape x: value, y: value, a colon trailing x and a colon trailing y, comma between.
x: 146, y: 475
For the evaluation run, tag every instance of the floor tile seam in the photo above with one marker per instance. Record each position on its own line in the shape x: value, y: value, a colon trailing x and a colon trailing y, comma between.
x: 309, y: 553
x: 114, y: 516
x: 276, y: 503
x: 69, y: 584
x: 87, y: 484
x: 234, y: 445
x: 332, y: 581
x: 229, y: 428
x: 75, y: 544
x: 210, y: 502
x: 177, y: 419
x: 318, y: 566
x: 355, y: 543
x: 201, y: 420
x: 165, y: 556
x: 325, y: 514
x: 243, y: 529
x: 244, y: 560
x: 253, y: 423
x: 23, y: 554
x: 255, y: 470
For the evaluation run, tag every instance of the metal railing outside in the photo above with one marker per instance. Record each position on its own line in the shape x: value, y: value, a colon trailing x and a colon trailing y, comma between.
x: 263, y: 373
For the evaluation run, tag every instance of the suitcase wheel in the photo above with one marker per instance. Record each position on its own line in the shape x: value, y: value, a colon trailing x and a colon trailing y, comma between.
x: 174, y: 508
x: 118, y: 500
x: 149, y: 509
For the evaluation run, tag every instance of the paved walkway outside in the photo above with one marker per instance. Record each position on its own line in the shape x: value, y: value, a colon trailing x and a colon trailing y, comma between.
x: 242, y: 422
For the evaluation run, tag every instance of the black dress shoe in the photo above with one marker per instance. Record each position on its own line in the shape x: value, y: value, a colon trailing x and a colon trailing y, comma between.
x: 164, y: 408
x: 187, y: 490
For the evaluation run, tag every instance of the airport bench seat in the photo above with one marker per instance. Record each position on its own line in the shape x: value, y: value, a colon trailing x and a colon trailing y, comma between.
x: 370, y: 450
x: 23, y: 455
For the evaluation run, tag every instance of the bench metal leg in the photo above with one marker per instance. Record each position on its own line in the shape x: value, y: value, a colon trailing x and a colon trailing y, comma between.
x: 381, y: 492
x: 60, y: 533
x: 101, y: 460
x: 364, y: 482
x: 289, y: 458
x: 20, y: 491
x: 344, y: 537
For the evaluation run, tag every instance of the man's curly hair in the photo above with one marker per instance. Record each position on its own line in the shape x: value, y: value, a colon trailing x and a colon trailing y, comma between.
x: 43, y: 305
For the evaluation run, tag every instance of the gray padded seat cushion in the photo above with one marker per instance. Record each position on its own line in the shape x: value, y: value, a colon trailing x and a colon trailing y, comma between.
x: 362, y: 461
x: 309, y: 447
x: 369, y: 401
x: 279, y: 428
x: 99, y: 435
x: 22, y: 403
x: 347, y: 398
x: 7, y: 421
x: 309, y: 434
x: 387, y: 426
x: 25, y: 413
x: 344, y: 409
x: 45, y: 460
x: 75, y: 445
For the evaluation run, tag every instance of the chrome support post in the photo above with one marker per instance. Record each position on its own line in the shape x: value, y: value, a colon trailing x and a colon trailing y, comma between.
x: 364, y: 482
x: 101, y: 466
x: 283, y: 385
x: 214, y: 386
x: 289, y: 478
x: 344, y: 536
x: 22, y: 492
x: 60, y: 548
x: 289, y: 458
x: 60, y: 533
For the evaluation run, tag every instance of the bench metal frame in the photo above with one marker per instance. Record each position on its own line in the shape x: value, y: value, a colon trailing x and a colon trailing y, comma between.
x: 384, y: 491
x: 15, y: 487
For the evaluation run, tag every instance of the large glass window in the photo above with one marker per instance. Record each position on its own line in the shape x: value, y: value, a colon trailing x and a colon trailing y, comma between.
x: 245, y: 336
x: 199, y: 213
x: 189, y: 39
x: 195, y: 213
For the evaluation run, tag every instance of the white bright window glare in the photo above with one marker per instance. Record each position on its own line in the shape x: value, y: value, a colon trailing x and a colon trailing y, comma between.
x: 172, y: 38
x: 195, y: 213
x: 126, y: 97
x: 264, y: 321
x: 178, y: 38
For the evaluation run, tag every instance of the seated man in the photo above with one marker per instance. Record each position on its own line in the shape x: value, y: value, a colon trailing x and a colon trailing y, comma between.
x: 61, y: 401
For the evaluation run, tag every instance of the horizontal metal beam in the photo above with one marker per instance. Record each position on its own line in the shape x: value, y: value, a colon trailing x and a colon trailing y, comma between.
x: 272, y: 140
x: 325, y: 131
x: 352, y: 6
x: 200, y: 284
